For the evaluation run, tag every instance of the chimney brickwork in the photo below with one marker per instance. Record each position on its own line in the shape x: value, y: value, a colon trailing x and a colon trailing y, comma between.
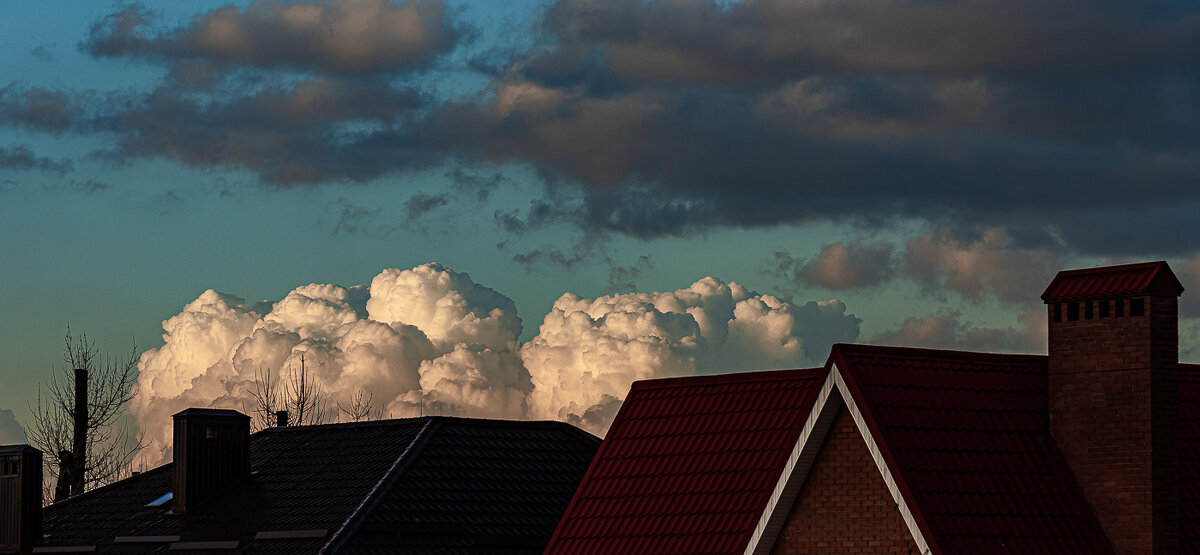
x: 1113, y: 385
x: 211, y: 455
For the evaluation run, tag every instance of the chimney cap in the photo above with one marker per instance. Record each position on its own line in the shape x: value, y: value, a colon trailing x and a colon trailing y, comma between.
x: 1126, y: 280
x: 15, y: 449
x: 222, y: 413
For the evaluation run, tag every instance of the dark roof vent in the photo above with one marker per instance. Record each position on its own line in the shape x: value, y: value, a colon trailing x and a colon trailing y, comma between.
x: 281, y: 418
x: 20, y: 497
x: 212, y: 454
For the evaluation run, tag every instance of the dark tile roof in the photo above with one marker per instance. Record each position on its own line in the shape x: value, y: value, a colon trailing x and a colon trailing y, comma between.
x: 479, y: 486
x: 689, y: 464
x: 1145, y: 278
x: 341, y: 478
x: 967, y: 438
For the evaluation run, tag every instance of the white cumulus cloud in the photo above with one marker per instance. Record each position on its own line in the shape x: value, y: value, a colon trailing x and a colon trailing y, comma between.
x: 588, y: 351
x: 11, y: 432
x: 429, y: 340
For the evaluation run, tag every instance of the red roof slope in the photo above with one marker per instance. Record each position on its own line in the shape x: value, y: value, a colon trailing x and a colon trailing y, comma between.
x: 1146, y: 278
x: 689, y: 464
x: 966, y: 436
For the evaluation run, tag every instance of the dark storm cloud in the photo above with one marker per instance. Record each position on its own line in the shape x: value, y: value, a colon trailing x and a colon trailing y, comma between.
x: 1071, y: 124
x: 21, y: 157
x: 675, y: 116
x: 779, y: 40
x: 622, y: 279
x: 345, y: 217
x: 309, y: 132
x: 37, y: 109
x: 421, y: 203
x: 294, y: 92
x: 339, y: 36
x: 88, y: 186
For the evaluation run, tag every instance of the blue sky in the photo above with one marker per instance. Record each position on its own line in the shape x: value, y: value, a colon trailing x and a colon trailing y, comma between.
x: 929, y: 165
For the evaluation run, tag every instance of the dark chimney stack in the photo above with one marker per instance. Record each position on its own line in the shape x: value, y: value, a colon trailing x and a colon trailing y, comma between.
x: 1114, y: 400
x: 66, y: 466
x: 79, y: 448
x: 281, y: 418
x: 212, y: 454
x: 20, y: 497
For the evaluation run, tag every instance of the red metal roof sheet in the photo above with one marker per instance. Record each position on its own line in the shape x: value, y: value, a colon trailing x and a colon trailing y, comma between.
x: 967, y: 438
x: 689, y: 464
x: 1146, y: 278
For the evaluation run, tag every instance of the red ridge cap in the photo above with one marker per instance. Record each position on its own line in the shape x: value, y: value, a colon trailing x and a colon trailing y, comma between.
x: 1126, y: 280
x: 731, y: 377
x: 1006, y: 359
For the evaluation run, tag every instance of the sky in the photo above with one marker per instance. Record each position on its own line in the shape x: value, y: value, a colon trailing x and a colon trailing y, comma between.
x: 514, y: 209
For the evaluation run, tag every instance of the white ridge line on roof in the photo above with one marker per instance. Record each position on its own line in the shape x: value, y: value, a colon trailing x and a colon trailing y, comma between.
x: 800, y: 460
x: 877, y: 455
x: 375, y: 490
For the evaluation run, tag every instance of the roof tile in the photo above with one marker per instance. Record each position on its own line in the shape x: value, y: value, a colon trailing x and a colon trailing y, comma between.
x: 967, y: 437
x: 698, y: 458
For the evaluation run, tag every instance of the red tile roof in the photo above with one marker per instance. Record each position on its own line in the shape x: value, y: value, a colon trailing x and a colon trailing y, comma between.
x: 966, y: 436
x: 1146, y: 278
x: 689, y: 464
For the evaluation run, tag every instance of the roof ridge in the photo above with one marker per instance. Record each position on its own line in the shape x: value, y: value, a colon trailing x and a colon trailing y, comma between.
x: 381, y: 488
x: 898, y: 351
x: 728, y: 377
x: 341, y: 425
x: 1114, y: 268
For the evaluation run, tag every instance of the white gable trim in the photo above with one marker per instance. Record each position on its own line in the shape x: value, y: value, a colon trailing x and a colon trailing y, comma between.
x: 804, y: 453
x: 818, y: 423
x: 888, y: 478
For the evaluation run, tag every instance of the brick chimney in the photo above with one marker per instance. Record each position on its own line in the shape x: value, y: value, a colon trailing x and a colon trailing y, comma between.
x: 1113, y: 361
x: 20, y: 498
x: 212, y: 454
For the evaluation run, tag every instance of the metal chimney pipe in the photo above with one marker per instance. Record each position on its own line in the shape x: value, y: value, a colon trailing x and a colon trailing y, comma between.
x: 281, y: 418
x: 81, y: 424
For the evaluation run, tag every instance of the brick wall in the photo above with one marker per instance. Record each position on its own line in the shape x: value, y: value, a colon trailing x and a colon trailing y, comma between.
x: 1113, y: 414
x: 844, y: 506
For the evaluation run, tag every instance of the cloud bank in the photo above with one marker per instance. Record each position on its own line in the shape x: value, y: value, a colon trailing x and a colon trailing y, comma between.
x: 11, y: 431
x: 662, y: 118
x: 947, y: 330
x: 429, y: 340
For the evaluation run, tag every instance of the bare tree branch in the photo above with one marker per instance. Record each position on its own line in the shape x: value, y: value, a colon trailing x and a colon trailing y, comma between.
x: 111, y: 384
x: 360, y: 407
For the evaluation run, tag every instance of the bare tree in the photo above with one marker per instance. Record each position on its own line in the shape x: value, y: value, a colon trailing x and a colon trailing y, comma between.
x: 360, y: 407
x: 107, y: 443
x: 300, y: 395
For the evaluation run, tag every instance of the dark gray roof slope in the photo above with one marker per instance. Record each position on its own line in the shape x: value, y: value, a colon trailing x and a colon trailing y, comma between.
x: 432, y: 484
x: 479, y: 486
